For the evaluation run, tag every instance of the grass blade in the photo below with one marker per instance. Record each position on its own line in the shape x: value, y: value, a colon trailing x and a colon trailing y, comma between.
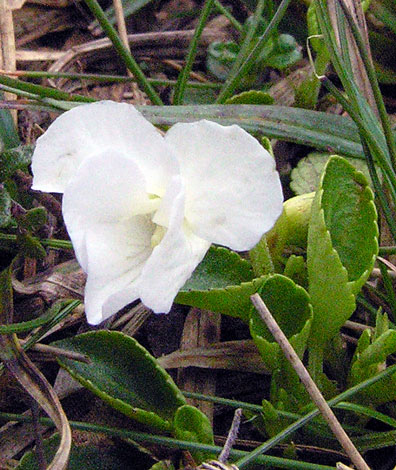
x: 192, y: 51
x: 234, y: 80
x: 123, y: 52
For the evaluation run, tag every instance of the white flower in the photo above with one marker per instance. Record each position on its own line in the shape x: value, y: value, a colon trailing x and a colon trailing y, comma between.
x: 141, y: 209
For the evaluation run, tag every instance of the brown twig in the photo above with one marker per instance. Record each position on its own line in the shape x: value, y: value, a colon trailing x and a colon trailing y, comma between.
x: 57, y: 352
x: 7, y: 43
x: 232, y: 435
x: 309, y: 384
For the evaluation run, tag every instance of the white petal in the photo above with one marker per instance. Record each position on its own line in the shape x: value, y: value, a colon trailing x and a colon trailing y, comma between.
x: 233, y: 191
x: 111, y: 242
x: 90, y: 129
x: 173, y: 260
x: 116, y: 257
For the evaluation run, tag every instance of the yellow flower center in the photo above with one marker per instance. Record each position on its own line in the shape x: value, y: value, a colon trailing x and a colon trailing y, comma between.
x: 158, y: 235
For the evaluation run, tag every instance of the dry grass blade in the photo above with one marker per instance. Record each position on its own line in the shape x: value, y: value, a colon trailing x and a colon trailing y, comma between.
x: 122, y: 31
x: 30, y: 378
x: 7, y: 43
x: 228, y: 355
x: 357, y: 65
x: 161, y: 43
x: 309, y: 384
x: 390, y: 265
x: 34, y: 382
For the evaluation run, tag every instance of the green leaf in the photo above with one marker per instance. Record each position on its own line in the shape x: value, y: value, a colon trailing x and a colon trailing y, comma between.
x: 221, y: 56
x: 375, y: 348
x: 342, y: 246
x: 5, y: 207
x: 220, y: 268
x: 251, y: 97
x: 379, y: 350
x: 314, y: 30
x: 163, y: 465
x: 125, y: 376
x: 305, y: 176
x: 129, y: 8
x: 223, y: 282
x: 290, y: 306
x: 271, y: 421
x: 370, y: 358
x: 291, y: 228
x: 14, y: 159
x: 351, y: 218
x: 261, y: 259
x: 190, y: 424
x: 296, y: 270
x: 33, y: 219
x: 317, y: 129
x: 199, y: 96
x: 30, y: 246
x: 285, y: 53
x: 8, y: 133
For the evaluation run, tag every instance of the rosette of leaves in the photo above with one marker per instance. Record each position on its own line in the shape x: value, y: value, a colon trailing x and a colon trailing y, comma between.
x: 290, y: 306
x: 280, y: 52
x: 342, y: 247
x: 370, y: 357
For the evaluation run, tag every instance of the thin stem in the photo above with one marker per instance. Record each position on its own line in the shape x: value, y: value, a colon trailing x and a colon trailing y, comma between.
x: 128, y: 59
x: 48, y: 242
x: 27, y: 325
x: 58, y: 352
x: 67, y: 309
x: 224, y: 11
x: 106, y: 78
x: 192, y: 51
x: 233, y: 81
x: 247, y: 43
x: 368, y: 412
x: 58, y: 316
x: 43, y: 91
x: 309, y: 384
x: 266, y: 460
x: 232, y: 435
x: 383, y: 202
x: 387, y: 250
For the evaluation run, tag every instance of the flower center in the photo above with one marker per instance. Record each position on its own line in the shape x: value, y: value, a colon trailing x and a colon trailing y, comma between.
x: 158, y: 235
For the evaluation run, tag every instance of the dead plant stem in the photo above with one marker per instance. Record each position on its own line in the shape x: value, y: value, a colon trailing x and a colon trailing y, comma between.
x: 309, y: 384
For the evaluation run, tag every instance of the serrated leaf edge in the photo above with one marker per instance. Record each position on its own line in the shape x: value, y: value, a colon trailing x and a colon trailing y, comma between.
x: 120, y: 405
x: 88, y: 383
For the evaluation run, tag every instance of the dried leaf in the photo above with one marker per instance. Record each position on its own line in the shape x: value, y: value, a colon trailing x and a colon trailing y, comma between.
x: 31, y: 379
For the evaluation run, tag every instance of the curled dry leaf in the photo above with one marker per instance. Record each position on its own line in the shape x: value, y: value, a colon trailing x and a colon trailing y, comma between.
x: 31, y: 379
x: 66, y: 280
x: 229, y: 355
